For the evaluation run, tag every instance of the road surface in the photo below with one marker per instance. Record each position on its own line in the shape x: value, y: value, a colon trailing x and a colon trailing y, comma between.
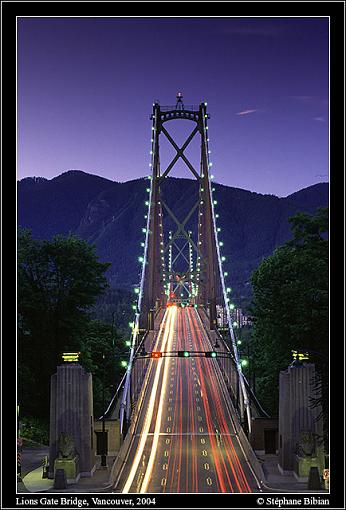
x: 184, y: 439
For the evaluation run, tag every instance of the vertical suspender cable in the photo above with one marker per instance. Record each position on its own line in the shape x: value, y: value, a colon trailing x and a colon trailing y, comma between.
x: 229, y: 321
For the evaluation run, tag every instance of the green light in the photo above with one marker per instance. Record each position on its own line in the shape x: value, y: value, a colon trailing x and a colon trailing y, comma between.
x: 131, y: 325
x: 128, y: 343
x: 148, y: 190
x: 244, y: 362
x: 239, y: 342
x: 186, y: 354
x: 142, y: 244
x: 210, y: 354
x: 231, y: 306
x: 144, y: 230
x: 235, y: 324
x: 140, y: 259
x: 228, y: 289
x: 123, y: 364
x: 218, y: 229
x: 223, y: 259
x: 134, y: 307
x: 215, y: 202
x: 225, y: 273
x: 136, y: 291
x: 146, y: 202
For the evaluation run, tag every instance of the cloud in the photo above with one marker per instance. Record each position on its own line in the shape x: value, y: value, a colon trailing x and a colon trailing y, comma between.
x: 246, y: 112
x: 320, y: 119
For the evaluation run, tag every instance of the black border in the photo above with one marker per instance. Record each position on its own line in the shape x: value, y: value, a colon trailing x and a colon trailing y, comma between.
x: 9, y: 11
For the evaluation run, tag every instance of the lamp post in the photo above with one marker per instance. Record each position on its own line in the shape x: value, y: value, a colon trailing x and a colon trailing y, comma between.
x: 104, y: 450
x: 19, y: 449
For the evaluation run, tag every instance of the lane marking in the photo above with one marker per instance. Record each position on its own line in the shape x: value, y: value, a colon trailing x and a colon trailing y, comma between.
x: 209, y: 481
x: 206, y: 466
x: 165, y: 328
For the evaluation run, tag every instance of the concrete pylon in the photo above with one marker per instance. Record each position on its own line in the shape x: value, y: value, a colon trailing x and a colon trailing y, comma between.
x: 298, y: 425
x: 71, y: 412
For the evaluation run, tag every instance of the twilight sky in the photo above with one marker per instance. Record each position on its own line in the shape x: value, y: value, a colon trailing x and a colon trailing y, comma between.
x: 86, y: 88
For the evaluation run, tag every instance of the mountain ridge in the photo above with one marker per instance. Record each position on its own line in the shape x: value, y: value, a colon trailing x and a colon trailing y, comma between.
x: 111, y: 215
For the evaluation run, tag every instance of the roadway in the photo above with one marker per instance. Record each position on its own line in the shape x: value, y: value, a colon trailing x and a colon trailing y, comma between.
x: 184, y: 438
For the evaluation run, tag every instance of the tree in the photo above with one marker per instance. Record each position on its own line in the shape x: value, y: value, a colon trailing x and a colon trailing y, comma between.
x: 58, y: 281
x: 101, y: 350
x: 290, y: 307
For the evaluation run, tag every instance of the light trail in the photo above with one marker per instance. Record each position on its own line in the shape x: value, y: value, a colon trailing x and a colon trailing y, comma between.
x: 149, y: 414
x: 233, y: 459
x: 146, y: 480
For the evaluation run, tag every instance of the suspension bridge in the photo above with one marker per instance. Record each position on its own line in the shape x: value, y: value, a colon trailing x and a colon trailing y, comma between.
x: 184, y: 405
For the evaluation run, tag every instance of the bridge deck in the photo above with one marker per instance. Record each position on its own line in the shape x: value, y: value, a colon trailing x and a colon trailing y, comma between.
x: 185, y: 439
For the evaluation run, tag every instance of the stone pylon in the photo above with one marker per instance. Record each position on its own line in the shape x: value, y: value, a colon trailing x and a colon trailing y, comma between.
x: 298, y: 424
x: 71, y: 412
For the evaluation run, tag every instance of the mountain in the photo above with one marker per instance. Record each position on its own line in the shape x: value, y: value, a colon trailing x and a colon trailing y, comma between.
x: 111, y: 215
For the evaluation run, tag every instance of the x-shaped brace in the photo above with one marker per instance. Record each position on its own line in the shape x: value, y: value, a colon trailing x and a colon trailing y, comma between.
x: 181, y: 227
x: 180, y: 153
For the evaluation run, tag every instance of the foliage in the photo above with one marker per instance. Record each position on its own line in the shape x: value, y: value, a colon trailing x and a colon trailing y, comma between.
x: 290, y: 306
x: 101, y: 350
x: 34, y: 430
x: 58, y: 281
x: 114, y: 306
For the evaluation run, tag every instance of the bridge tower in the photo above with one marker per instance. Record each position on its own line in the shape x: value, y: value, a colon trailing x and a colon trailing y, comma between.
x: 157, y: 278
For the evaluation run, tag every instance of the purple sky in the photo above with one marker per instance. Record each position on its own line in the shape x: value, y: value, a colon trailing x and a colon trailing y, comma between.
x: 86, y: 88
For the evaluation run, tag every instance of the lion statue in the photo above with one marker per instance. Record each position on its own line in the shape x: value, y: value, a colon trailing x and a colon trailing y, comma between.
x: 66, y: 446
x: 306, y: 445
